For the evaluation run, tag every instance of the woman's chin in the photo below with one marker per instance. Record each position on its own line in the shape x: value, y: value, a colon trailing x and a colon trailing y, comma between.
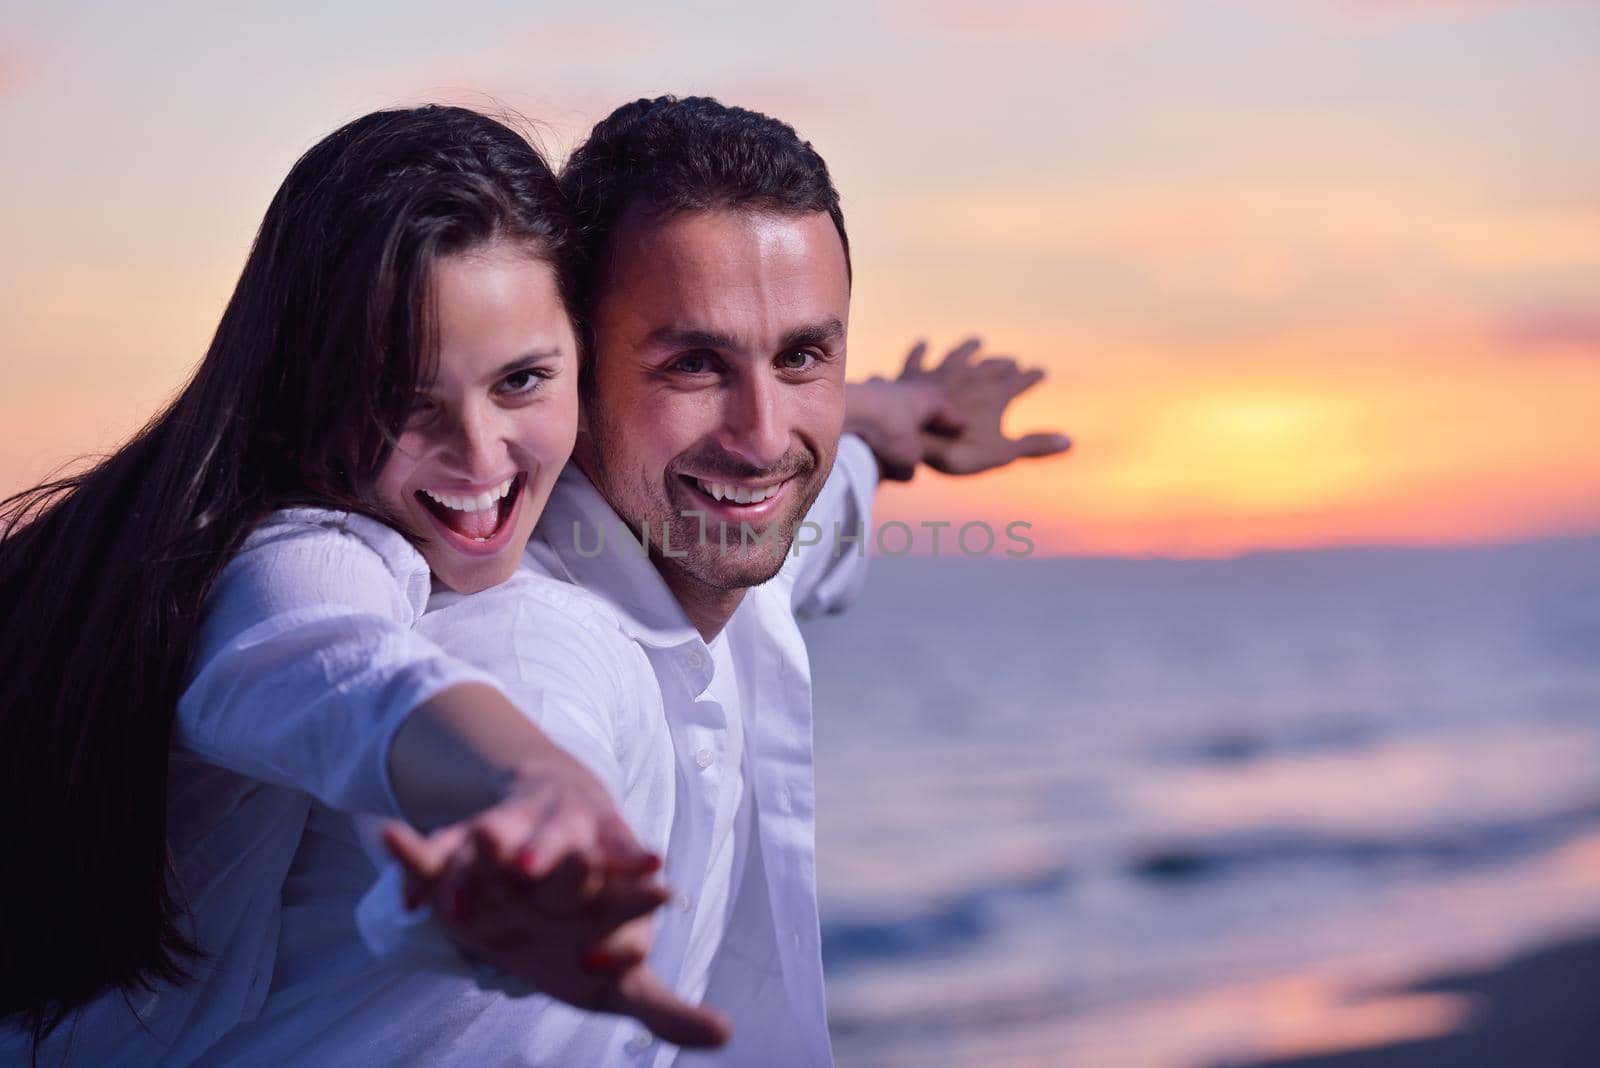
x: 472, y: 576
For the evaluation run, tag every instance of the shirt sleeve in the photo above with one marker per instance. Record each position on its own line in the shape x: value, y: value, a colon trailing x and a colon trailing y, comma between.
x: 306, y: 663
x: 575, y: 675
x: 558, y: 659
x: 828, y: 567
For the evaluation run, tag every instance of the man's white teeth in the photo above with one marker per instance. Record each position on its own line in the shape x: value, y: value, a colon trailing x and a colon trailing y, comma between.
x: 472, y: 504
x: 738, y: 494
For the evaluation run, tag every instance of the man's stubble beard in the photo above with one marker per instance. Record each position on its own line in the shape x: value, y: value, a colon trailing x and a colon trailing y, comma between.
x: 703, y: 558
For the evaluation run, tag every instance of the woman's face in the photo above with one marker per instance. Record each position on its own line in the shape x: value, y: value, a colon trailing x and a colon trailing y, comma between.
x: 487, y: 437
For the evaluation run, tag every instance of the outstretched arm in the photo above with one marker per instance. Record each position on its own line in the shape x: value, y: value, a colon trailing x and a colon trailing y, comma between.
x: 535, y: 873
x: 310, y: 675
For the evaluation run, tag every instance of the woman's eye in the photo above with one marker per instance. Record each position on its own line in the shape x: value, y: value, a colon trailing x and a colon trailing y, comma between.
x: 796, y: 359
x: 524, y: 381
x: 421, y: 405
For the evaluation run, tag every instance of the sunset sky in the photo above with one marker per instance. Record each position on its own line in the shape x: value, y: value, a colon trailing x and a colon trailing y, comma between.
x: 1303, y: 272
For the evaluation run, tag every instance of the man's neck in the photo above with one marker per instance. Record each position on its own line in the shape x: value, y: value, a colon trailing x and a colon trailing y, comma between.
x: 708, y: 609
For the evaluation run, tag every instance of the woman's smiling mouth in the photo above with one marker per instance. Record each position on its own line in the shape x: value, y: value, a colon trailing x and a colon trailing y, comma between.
x: 476, y: 523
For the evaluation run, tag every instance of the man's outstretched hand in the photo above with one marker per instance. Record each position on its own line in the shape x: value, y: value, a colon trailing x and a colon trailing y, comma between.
x: 975, y: 395
x: 891, y: 418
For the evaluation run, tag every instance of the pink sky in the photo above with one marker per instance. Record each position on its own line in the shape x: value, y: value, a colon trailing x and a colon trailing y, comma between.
x: 1310, y: 274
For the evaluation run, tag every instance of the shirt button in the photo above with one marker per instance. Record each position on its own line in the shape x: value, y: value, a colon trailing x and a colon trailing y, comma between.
x: 685, y: 902
x: 639, y: 1043
x: 703, y: 759
x: 693, y: 658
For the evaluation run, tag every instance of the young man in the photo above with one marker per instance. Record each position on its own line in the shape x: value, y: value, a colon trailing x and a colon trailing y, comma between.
x: 717, y: 420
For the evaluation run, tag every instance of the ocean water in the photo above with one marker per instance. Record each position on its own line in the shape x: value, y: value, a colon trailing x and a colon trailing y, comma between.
x: 1128, y: 812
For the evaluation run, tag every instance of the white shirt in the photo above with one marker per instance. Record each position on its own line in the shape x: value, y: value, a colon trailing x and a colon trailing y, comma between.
x: 307, y: 664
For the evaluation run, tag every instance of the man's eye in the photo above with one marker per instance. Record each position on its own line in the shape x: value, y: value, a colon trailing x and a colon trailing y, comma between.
x: 796, y: 359
x: 693, y: 363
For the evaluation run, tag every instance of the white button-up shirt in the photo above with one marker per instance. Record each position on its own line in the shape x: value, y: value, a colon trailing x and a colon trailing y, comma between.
x: 306, y: 666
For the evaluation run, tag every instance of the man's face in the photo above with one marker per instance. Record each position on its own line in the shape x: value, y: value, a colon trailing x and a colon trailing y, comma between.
x: 719, y: 384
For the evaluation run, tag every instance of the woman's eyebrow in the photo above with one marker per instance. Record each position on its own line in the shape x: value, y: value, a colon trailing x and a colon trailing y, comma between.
x: 531, y: 357
x: 522, y: 362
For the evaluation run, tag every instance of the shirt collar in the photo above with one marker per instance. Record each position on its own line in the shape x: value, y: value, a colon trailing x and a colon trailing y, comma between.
x: 597, y: 550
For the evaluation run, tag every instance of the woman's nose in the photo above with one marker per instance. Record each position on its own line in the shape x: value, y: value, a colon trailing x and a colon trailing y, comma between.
x: 475, y: 444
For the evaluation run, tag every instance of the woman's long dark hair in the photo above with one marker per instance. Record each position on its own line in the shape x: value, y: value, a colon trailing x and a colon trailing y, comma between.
x: 103, y: 574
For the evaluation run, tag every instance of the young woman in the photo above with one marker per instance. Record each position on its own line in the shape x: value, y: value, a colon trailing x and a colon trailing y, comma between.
x: 387, y: 401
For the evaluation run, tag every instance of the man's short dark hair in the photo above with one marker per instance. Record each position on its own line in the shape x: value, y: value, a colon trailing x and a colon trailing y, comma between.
x: 671, y: 155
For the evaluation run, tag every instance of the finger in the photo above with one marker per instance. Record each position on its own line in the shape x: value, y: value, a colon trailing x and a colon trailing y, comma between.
x: 621, y: 853
x: 557, y: 838
x: 642, y: 995
x: 454, y: 886
x: 609, y: 960
x: 421, y: 856
x: 1041, y: 444
x: 500, y: 834
x: 956, y: 359
x: 615, y: 906
x: 1026, y: 381
x: 996, y: 367
x: 492, y: 882
x: 617, y: 951
x: 913, y: 364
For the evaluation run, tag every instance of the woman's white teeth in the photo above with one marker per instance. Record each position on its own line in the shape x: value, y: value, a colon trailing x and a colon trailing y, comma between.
x: 472, y: 504
x: 738, y: 494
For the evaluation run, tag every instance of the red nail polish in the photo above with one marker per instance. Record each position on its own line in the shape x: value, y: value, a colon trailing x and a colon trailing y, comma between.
x: 597, y: 960
x: 526, y: 858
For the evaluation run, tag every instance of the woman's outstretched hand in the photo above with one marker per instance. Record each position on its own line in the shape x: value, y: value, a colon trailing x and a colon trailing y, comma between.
x: 550, y: 886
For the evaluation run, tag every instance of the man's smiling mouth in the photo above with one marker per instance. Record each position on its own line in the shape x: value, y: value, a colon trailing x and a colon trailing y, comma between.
x: 733, y: 492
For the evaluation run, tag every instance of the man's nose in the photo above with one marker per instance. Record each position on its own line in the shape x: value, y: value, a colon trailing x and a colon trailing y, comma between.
x: 755, y: 427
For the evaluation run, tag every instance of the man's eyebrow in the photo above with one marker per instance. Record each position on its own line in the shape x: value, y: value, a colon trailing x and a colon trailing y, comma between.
x: 677, y: 337
x: 828, y: 331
